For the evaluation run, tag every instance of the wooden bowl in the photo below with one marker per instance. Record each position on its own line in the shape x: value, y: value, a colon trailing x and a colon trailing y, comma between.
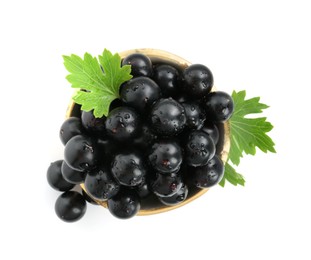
x: 151, y: 206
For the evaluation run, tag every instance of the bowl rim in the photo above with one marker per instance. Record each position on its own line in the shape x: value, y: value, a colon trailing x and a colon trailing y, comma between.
x: 163, y: 56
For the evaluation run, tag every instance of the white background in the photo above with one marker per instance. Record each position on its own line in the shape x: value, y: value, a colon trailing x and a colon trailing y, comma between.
x: 261, y: 46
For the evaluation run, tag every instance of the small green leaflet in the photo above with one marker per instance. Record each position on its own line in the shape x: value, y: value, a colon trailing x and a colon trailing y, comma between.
x: 98, y: 80
x: 246, y: 134
x: 232, y: 176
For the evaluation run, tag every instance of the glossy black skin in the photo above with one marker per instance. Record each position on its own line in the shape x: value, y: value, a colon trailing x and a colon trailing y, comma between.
x: 165, y: 156
x: 167, y: 117
x: 55, y: 177
x: 177, y: 198
x: 125, y: 204
x: 199, y: 149
x: 70, y: 206
x: 198, y: 80
x: 140, y: 93
x: 194, y: 114
x: 70, y: 128
x: 100, y: 184
x: 141, y: 65
x: 93, y: 125
x: 123, y: 124
x: 208, y: 175
x: 212, y: 130
x: 144, y: 140
x: 166, y: 185
x: 167, y: 77
x: 81, y: 153
x: 71, y: 175
x: 89, y: 199
x: 128, y: 168
x: 218, y: 106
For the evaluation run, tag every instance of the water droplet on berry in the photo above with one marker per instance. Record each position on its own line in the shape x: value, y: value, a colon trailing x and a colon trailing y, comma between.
x: 88, y: 147
x: 180, y: 197
x: 133, y: 181
x: 127, y: 116
x: 84, y: 166
x: 203, y: 152
x: 133, y: 162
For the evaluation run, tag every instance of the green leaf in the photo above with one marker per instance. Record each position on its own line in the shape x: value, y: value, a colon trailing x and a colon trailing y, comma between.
x: 232, y: 176
x: 246, y: 134
x: 99, y: 81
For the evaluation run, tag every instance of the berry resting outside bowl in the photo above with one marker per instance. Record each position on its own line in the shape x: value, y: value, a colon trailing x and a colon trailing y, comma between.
x: 146, y: 132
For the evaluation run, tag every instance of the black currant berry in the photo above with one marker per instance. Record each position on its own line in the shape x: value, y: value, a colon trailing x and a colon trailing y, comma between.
x: 167, y: 77
x: 166, y: 185
x: 123, y: 124
x: 125, y: 204
x: 141, y: 65
x: 208, y: 175
x: 167, y: 117
x: 218, y: 106
x: 177, y: 198
x: 199, y: 149
x: 128, y: 168
x: 93, y: 125
x: 198, y: 80
x: 55, y: 177
x: 100, y: 184
x: 165, y: 156
x: 71, y: 175
x: 70, y: 206
x: 81, y: 153
x: 70, y: 128
x: 140, y: 93
x: 194, y: 114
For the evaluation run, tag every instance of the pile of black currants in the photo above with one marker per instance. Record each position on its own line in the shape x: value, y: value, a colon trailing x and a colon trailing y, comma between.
x: 158, y: 143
